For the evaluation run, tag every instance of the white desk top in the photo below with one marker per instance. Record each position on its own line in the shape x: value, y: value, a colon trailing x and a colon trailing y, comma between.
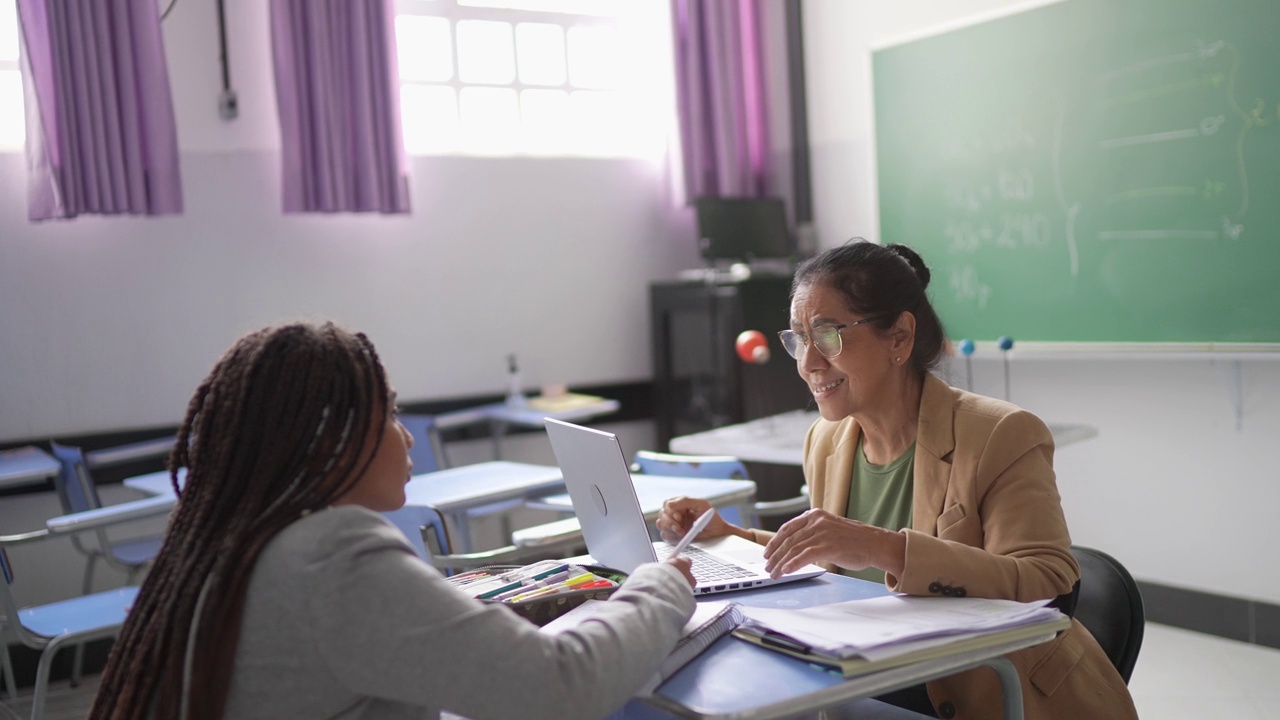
x: 446, y: 490
x: 469, y: 486
x: 526, y: 416
x: 25, y: 465
x: 779, y: 438
x: 653, y: 490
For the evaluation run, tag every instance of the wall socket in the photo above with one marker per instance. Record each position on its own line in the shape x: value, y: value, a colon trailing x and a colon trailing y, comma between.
x: 228, y: 105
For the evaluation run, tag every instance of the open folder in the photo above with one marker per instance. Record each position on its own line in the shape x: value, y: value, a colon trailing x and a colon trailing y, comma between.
x: 862, y: 636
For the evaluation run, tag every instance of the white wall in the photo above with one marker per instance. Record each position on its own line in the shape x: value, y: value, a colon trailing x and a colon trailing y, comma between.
x: 1169, y: 486
x: 109, y: 324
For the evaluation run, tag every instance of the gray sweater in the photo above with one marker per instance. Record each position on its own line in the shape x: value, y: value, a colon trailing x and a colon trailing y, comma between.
x: 343, y: 620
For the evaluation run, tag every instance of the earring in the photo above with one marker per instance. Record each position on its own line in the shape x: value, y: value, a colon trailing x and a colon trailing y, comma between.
x: 897, y: 360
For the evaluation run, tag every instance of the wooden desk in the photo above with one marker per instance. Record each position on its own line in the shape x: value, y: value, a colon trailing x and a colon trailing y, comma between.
x: 779, y: 439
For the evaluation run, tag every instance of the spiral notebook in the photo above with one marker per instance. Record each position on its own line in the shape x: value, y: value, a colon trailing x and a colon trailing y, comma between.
x: 711, y: 620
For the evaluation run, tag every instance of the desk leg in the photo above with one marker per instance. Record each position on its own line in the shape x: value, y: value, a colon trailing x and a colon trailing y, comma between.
x: 1010, y: 685
x: 461, y: 539
x: 497, y: 428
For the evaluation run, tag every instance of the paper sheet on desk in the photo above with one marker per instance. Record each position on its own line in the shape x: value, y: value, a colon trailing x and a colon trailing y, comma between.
x: 891, y: 624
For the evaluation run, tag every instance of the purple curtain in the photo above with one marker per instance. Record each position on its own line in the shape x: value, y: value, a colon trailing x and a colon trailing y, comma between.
x: 101, y: 136
x: 338, y: 92
x: 720, y: 98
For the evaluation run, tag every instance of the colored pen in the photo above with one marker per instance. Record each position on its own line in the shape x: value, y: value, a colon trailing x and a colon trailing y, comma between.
x: 498, y: 590
x: 539, y: 592
x: 552, y: 571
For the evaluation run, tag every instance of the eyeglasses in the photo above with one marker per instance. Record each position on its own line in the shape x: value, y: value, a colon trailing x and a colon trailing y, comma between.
x: 826, y: 339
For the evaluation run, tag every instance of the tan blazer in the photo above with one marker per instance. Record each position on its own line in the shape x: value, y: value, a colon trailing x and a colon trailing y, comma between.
x: 987, y: 522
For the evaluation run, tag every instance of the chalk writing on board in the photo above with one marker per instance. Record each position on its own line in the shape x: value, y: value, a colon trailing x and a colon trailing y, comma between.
x: 1210, y: 68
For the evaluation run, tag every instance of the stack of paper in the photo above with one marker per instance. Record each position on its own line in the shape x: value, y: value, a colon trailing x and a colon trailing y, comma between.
x: 865, y: 635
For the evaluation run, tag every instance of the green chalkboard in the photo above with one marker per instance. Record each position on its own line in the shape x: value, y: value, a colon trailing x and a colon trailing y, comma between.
x: 1091, y: 171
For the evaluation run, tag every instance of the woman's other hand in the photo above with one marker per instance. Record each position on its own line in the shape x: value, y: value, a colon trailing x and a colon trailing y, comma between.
x: 679, y: 513
x: 817, y: 536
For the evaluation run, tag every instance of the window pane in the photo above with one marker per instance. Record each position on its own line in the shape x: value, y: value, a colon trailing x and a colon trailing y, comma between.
x: 596, y: 123
x: 8, y: 30
x: 604, y: 8
x: 486, y: 52
x: 490, y: 120
x: 13, y: 130
x: 425, y: 46
x: 593, y: 57
x: 430, y: 117
x: 544, y: 120
x: 540, y: 51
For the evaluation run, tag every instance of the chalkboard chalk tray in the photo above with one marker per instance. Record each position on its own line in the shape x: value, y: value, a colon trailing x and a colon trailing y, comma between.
x: 1091, y: 171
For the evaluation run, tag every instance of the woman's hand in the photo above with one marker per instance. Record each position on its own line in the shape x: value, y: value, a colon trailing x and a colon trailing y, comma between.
x: 818, y: 536
x: 685, y: 566
x: 678, y: 514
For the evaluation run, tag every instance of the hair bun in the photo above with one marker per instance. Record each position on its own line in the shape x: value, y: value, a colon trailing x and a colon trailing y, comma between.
x: 914, y: 260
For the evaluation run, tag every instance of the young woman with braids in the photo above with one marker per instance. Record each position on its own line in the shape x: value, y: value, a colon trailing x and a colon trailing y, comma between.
x: 281, y: 592
x: 930, y: 489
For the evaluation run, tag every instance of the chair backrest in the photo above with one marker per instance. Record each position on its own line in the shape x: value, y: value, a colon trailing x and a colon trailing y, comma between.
x: 427, y: 452
x: 75, y: 486
x: 715, y: 467
x: 424, y: 528
x: 1110, y: 606
x: 711, y: 467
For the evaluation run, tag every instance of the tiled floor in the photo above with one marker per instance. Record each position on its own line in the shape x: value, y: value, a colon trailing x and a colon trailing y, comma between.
x: 1184, y: 674
x: 1180, y: 674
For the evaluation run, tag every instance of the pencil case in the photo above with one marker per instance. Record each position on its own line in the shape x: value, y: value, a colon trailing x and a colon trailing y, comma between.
x: 544, y: 609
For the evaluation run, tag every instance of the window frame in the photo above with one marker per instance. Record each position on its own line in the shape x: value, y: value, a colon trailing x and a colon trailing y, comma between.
x: 520, y: 146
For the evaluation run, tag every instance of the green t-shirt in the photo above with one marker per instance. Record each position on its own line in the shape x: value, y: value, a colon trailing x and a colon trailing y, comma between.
x: 880, y: 495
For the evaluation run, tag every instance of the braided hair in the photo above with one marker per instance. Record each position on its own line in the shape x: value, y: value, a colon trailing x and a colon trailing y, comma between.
x: 881, y: 282
x: 286, y: 423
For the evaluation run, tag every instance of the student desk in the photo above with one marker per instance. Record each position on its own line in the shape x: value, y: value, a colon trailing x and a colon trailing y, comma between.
x: 501, y: 416
x: 454, y: 491
x: 735, y: 679
x: 779, y: 439
x: 25, y: 465
x: 651, y: 492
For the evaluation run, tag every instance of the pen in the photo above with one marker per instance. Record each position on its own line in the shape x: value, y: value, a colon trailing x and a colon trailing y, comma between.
x: 698, y: 526
x: 552, y: 571
x: 498, y: 590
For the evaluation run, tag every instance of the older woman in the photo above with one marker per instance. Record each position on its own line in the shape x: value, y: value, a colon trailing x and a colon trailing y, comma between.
x: 932, y: 490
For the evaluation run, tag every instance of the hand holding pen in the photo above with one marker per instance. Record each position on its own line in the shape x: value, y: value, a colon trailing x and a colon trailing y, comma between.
x: 684, y: 564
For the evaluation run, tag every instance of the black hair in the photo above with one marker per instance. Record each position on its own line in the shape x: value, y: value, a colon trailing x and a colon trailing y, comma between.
x: 283, y: 425
x: 881, y: 282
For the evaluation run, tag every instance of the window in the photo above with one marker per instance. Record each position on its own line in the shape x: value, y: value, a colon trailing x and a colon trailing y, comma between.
x: 535, y: 77
x: 13, y: 132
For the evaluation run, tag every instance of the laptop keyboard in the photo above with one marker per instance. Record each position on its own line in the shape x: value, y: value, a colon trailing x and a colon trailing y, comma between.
x: 708, y: 568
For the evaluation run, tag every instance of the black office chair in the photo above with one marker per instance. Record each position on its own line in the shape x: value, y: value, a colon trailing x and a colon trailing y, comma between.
x: 1110, y: 606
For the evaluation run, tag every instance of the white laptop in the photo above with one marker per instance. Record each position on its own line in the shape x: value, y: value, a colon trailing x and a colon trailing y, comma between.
x: 613, y: 525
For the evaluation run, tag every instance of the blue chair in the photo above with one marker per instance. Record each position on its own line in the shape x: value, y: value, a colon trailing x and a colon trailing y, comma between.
x: 425, y: 530
x: 716, y: 467
x: 52, y: 626
x: 78, y: 493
